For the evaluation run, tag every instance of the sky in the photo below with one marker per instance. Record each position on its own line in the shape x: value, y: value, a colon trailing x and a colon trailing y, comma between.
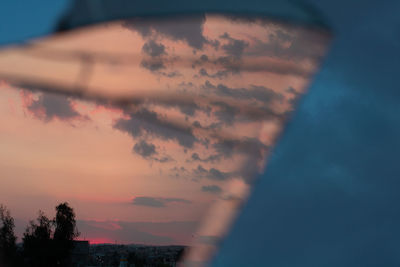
x: 158, y: 127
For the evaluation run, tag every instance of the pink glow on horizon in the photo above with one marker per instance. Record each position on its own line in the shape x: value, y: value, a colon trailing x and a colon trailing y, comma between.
x: 99, y: 240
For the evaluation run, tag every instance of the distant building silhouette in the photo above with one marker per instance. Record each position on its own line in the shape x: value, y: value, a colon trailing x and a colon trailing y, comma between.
x: 80, y: 254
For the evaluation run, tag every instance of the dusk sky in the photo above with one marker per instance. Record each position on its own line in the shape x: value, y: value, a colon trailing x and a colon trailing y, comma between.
x: 161, y: 124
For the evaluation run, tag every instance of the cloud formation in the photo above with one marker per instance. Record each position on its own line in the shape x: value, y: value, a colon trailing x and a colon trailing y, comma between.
x: 154, y: 49
x: 291, y: 44
x: 153, y: 64
x: 187, y: 29
x: 156, y: 60
x: 158, y: 202
x: 234, y: 47
x: 214, y: 189
x: 212, y: 173
x: 254, y: 92
x: 250, y: 146
x: 251, y: 64
x: 225, y: 112
x: 212, y: 158
x: 50, y: 106
x: 144, y: 149
x: 144, y: 122
x: 221, y: 74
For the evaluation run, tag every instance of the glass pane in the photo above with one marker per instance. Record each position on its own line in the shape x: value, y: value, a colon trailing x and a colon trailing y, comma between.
x: 153, y: 130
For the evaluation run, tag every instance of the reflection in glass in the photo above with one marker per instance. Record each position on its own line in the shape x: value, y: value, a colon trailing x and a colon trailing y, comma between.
x: 153, y: 129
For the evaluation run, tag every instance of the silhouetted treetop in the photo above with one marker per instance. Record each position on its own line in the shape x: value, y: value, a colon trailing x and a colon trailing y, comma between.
x: 65, y: 223
x: 7, y: 236
x: 37, y: 243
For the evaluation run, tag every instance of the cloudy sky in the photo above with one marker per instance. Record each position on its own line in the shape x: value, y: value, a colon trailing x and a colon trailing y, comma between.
x: 157, y: 122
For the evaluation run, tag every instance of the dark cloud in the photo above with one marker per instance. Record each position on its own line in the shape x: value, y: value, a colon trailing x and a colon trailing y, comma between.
x: 292, y: 44
x: 218, y: 75
x: 257, y: 93
x: 292, y: 91
x: 153, y: 64
x: 154, y: 49
x: 210, y: 127
x: 212, y: 174
x: 250, y: 146
x: 157, y: 65
x: 186, y: 85
x: 148, y: 151
x: 234, y: 47
x: 204, y: 57
x: 50, y: 106
x: 144, y: 149
x: 187, y: 29
x: 187, y: 106
x: 254, y: 92
x: 254, y: 150
x: 144, y: 122
x: 211, y: 158
x: 286, y: 42
x: 230, y: 64
x: 251, y: 167
x: 281, y: 68
x: 230, y: 113
x: 296, y: 96
x: 225, y: 113
x: 156, y: 60
x: 197, y: 124
x: 163, y: 159
x: 157, y: 202
x: 148, y: 201
x: 171, y: 74
x: 188, y: 110
x: 179, y: 171
x: 216, y: 174
x: 215, y: 189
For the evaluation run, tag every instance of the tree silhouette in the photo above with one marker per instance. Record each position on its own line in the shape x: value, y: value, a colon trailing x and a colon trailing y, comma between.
x: 44, y: 247
x: 8, y: 247
x: 65, y: 223
x: 65, y: 232
x: 37, y: 243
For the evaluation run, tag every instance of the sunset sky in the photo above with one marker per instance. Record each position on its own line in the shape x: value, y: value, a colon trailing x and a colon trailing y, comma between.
x: 160, y: 124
